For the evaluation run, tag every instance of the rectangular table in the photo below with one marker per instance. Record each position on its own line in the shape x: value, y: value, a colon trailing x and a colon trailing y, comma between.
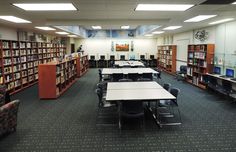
x: 128, y: 63
x: 125, y: 92
x: 109, y: 71
x: 133, y: 85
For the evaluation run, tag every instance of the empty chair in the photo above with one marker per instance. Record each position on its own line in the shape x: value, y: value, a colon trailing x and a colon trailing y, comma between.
x: 117, y: 76
x: 133, y: 76
x: 147, y: 75
x: 171, y: 105
x: 182, y: 73
x: 167, y: 86
x: 125, y: 80
x: 131, y: 110
x: 144, y: 79
x: 101, y: 77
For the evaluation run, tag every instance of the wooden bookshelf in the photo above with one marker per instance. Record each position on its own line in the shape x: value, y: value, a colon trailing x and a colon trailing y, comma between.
x: 19, y: 62
x: 166, y: 58
x: 200, y: 62
x: 84, y: 65
x: 55, y: 78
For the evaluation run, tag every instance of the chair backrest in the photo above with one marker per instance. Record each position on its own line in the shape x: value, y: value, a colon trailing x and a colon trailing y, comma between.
x: 133, y: 76
x: 144, y: 79
x: 3, y: 91
x: 125, y: 80
x: 147, y: 75
x: 102, y: 85
x: 167, y: 86
x: 175, y: 92
x: 183, y: 69
x: 159, y: 74
x: 117, y: 76
x: 132, y: 107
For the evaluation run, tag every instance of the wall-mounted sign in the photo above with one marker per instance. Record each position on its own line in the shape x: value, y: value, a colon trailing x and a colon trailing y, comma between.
x: 201, y: 35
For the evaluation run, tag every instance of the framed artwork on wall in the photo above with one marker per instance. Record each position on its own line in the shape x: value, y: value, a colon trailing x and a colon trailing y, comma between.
x: 122, y: 46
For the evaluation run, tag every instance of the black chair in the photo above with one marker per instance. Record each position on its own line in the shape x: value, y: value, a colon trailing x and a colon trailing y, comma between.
x: 131, y: 110
x: 125, y: 80
x: 101, y: 77
x: 117, y: 76
x: 180, y: 75
x: 167, y: 86
x: 171, y: 105
x: 133, y: 76
x: 147, y: 75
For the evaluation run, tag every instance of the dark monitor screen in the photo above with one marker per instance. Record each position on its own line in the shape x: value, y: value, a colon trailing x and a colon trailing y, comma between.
x: 122, y: 57
x: 142, y: 56
x: 216, y: 70
x: 112, y: 57
x: 152, y: 57
x: 229, y: 73
x: 92, y: 57
x: 102, y: 57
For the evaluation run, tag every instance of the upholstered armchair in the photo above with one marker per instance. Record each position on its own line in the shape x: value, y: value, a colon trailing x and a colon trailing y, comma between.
x: 8, y: 117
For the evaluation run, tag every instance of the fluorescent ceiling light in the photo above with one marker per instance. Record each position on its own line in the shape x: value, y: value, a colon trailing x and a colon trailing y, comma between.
x: 62, y: 33
x: 96, y: 27
x: 45, y: 28
x: 72, y: 35
x: 200, y: 18
x: 148, y: 35
x: 163, y: 7
x: 125, y: 27
x: 234, y: 3
x: 222, y: 21
x: 46, y: 6
x: 172, y: 27
x: 157, y: 32
x: 14, y: 19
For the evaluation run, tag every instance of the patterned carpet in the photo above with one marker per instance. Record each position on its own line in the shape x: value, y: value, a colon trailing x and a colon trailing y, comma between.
x: 69, y: 123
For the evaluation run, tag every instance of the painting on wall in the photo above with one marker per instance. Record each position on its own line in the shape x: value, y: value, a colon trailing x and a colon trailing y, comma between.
x: 122, y: 46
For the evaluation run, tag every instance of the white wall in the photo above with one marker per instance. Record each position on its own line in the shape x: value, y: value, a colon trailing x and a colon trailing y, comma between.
x: 8, y: 33
x: 99, y: 47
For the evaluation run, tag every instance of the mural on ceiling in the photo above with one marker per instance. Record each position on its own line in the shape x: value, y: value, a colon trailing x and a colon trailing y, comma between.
x: 110, y: 33
x: 122, y: 46
x: 98, y: 33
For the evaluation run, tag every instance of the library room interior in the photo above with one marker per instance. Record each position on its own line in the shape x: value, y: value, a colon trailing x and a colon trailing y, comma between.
x: 117, y: 75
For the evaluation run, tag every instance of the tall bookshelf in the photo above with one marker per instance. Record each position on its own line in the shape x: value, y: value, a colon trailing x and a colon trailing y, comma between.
x: 166, y: 58
x: 55, y: 78
x: 200, y: 62
x: 19, y: 62
x: 84, y: 65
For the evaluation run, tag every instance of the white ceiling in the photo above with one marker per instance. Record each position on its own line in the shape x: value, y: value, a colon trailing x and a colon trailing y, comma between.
x: 111, y: 14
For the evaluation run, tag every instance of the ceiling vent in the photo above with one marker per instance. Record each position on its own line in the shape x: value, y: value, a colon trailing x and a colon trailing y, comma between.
x: 217, y: 2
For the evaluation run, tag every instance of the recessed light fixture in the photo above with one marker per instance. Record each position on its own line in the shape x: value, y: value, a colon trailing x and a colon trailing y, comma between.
x: 72, y: 35
x: 157, y: 32
x: 62, y: 33
x: 14, y: 19
x: 200, y: 18
x: 172, y: 27
x: 163, y: 7
x: 148, y: 35
x: 46, y: 6
x: 234, y: 3
x: 97, y: 27
x: 45, y: 28
x: 125, y: 27
x: 222, y: 21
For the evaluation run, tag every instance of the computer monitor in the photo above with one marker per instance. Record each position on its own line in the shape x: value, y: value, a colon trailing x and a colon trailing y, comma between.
x: 152, y: 57
x: 122, y: 57
x: 229, y: 73
x: 102, y: 57
x: 142, y: 57
x: 217, y: 70
x: 92, y: 57
x: 112, y: 57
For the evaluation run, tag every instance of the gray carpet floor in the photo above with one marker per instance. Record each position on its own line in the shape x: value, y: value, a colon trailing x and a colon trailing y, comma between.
x: 70, y: 123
